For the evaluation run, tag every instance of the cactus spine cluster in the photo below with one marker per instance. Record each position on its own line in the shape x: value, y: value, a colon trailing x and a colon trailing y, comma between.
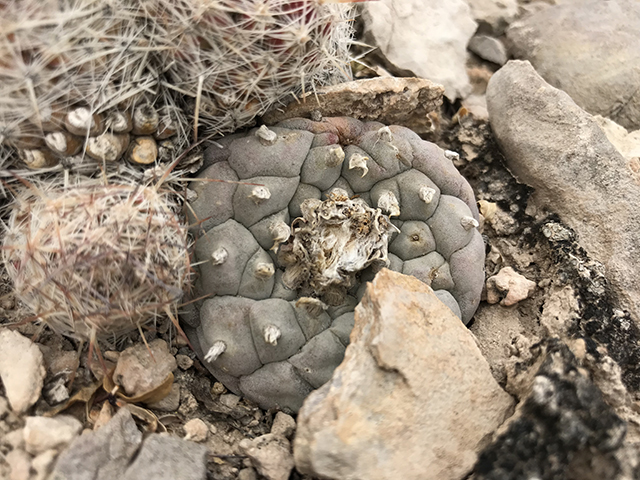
x: 112, y: 78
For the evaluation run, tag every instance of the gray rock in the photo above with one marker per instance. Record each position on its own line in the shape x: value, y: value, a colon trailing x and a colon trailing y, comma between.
x: 554, y: 146
x: 494, y: 14
x: 591, y: 50
x: 140, y: 369
x: 488, y: 48
x: 116, y: 451
x: 103, y: 454
x: 168, y: 458
x: 398, y: 409
x: 398, y: 28
x: 170, y: 403
x: 283, y: 425
x: 21, y: 369
x: 44, y: 433
x: 270, y: 454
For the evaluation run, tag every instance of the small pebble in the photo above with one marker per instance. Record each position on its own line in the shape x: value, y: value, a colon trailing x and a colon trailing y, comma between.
x: 180, y: 341
x: 516, y: 287
x: 196, y: 430
x: 229, y: 400
x: 270, y: 455
x: 184, y: 362
x: 284, y: 425
x: 188, y: 403
x: 55, y: 391
x: 21, y: 369
x: 43, y: 433
x: 217, y: 389
x: 247, y: 474
x: 140, y: 369
x: 111, y: 356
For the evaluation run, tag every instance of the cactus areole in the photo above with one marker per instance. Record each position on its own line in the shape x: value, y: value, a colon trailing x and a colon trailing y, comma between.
x: 311, y: 210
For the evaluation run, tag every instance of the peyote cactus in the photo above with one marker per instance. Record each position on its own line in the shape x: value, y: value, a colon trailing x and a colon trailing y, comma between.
x: 111, y: 79
x: 310, y: 210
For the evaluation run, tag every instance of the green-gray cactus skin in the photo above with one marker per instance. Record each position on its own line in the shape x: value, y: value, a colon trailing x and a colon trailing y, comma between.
x: 249, y: 332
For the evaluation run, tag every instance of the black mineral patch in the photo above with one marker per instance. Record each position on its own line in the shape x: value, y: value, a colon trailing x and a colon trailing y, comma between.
x: 563, y: 422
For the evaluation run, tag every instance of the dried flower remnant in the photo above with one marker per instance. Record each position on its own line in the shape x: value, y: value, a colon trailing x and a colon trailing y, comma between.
x: 331, y: 243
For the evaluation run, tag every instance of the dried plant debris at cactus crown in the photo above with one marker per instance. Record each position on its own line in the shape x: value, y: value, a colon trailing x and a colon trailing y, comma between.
x: 221, y: 63
x: 94, y: 258
x: 331, y: 243
x: 319, y: 206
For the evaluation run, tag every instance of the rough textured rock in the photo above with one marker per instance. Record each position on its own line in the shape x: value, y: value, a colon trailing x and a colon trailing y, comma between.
x: 270, y: 454
x: 398, y: 28
x: 116, y: 451
x: 21, y: 369
x: 141, y: 369
x: 168, y: 458
x: 557, y: 148
x: 563, y: 429
x: 283, y: 424
x: 101, y: 455
x: 488, y: 48
x: 389, y: 100
x: 591, y: 50
x: 627, y: 143
x: 43, y: 433
x: 394, y: 407
x: 494, y: 14
x: 196, y: 430
x: 508, y: 287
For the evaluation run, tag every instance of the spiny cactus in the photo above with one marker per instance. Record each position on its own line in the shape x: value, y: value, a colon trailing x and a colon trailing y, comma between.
x: 311, y: 210
x: 76, y: 74
x: 94, y: 258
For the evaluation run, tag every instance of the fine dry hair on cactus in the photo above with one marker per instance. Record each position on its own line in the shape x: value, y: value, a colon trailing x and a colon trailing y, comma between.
x: 96, y: 257
x: 70, y: 70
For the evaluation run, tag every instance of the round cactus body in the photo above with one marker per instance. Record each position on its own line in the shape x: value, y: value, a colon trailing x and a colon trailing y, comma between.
x: 308, y: 214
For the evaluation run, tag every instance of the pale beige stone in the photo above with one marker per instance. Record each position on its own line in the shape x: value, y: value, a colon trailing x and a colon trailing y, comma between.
x: 509, y: 287
x: 413, y: 398
x: 22, y: 370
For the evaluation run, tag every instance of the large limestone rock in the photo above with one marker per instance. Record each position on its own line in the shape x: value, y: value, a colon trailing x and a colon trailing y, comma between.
x: 428, y: 39
x: 413, y: 398
x: 556, y: 147
x: 591, y: 50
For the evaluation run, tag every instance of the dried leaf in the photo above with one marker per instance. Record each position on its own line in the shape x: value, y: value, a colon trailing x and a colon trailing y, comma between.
x: 146, y: 416
x: 154, y: 395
